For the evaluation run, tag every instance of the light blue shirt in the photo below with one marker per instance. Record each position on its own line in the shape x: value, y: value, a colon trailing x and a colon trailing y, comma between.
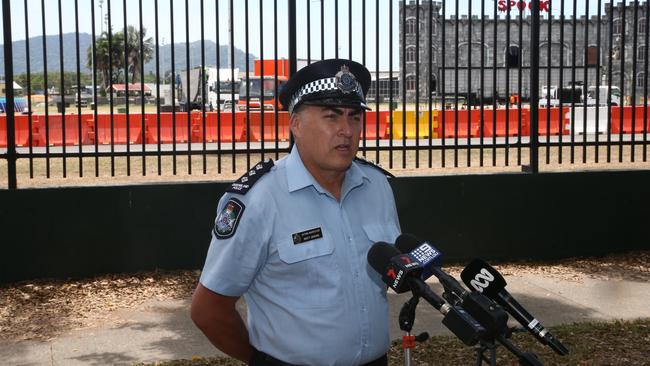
x: 317, y: 302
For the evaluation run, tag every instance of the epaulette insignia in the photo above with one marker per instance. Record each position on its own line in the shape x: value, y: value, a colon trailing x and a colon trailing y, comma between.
x: 364, y: 161
x: 246, y: 181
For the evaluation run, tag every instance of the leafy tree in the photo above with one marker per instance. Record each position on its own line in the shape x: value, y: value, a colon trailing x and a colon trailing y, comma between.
x: 115, y: 63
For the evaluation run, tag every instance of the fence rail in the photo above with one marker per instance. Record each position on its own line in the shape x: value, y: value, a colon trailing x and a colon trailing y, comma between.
x: 104, y: 88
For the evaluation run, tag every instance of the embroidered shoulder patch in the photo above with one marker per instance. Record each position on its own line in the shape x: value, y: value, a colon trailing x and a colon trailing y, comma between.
x: 364, y: 161
x: 246, y: 181
x: 228, y: 219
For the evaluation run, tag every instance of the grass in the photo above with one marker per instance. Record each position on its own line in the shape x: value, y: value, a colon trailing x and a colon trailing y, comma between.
x: 594, y: 343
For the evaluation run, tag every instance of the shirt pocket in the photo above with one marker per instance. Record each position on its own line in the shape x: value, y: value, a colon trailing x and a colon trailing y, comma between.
x: 377, y: 232
x: 310, y: 273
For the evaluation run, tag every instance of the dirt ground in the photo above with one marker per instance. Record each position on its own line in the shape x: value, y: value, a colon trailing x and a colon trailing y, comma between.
x: 213, y: 168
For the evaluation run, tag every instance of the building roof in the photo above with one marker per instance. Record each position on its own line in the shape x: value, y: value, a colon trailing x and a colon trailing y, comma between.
x: 132, y: 87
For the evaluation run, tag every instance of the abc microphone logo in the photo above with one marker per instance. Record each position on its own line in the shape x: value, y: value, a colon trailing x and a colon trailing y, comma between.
x: 482, y: 280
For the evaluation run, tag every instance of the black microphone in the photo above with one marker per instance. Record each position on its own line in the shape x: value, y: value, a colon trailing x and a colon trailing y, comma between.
x: 483, y: 278
x: 486, y: 312
x: 402, y: 273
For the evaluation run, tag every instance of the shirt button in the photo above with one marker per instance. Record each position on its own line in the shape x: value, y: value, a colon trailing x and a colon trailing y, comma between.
x: 350, y: 239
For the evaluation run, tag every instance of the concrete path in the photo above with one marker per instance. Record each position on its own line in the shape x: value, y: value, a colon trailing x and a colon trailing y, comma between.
x: 162, y: 330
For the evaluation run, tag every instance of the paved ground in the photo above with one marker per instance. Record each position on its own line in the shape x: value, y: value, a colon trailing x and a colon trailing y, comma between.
x: 162, y: 330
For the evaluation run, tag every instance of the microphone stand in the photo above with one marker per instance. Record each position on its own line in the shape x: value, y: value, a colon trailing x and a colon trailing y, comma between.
x: 489, y: 343
x: 406, y: 320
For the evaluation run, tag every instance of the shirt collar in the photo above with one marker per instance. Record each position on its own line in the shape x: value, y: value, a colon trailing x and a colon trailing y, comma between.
x: 298, y: 176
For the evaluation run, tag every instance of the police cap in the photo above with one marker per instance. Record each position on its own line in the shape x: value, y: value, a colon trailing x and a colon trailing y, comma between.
x: 334, y: 82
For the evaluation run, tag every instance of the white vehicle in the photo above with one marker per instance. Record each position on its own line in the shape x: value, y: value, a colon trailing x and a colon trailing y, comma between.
x: 544, y: 96
x: 603, y: 92
x: 214, y: 79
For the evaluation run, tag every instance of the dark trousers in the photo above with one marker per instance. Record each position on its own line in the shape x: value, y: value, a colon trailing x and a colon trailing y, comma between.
x: 262, y: 359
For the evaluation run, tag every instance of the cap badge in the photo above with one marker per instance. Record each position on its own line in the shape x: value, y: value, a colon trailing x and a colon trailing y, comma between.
x: 345, y: 80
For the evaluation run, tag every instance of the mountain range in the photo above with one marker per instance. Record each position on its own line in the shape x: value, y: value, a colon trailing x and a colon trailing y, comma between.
x: 85, y: 41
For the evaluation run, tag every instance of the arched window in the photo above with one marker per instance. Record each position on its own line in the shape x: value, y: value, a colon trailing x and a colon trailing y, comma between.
x: 640, y: 80
x: 411, y: 26
x: 643, y: 25
x: 434, y: 27
x: 618, y: 27
x: 640, y: 53
x: 410, y: 83
x: 410, y: 54
x: 476, y: 54
x: 592, y: 55
x: 513, y: 57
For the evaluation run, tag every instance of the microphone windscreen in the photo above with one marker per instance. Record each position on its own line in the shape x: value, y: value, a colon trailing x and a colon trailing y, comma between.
x: 482, y: 277
x: 380, y: 254
x: 405, y: 243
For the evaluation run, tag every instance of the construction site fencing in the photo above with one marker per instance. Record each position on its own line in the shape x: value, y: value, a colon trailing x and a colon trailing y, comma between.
x: 455, y: 84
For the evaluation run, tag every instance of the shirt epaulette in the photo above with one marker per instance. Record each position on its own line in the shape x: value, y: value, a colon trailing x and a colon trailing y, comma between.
x: 246, y: 181
x: 364, y: 161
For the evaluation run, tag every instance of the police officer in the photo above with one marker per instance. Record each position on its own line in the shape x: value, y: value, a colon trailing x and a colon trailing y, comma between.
x: 292, y: 238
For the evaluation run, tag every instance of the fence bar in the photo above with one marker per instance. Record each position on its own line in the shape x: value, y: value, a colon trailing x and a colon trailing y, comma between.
x: 469, y: 83
x: 46, y: 92
x: 158, y: 143
x: 622, y: 73
x: 29, y: 92
x: 9, y: 83
x: 482, y: 84
x: 62, y: 88
x: 94, y: 52
x: 141, y: 41
x: 429, y: 82
x: 390, y: 84
x: 126, y: 89
x: 494, y: 86
x: 635, y: 37
x: 248, y: 90
x: 646, y: 23
x: 78, y: 102
x: 293, y: 52
x: 561, y: 81
x: 262, y: 83
x: 598, y: 47
x: 520, y: 64
x: 417, y: 81
x: 534, y: 89
x: 232, y: 102
x: 609, y: 82
x: 188, y: 98
x: 275, y: 80
x: 443, y: 57
x: 585, y: 83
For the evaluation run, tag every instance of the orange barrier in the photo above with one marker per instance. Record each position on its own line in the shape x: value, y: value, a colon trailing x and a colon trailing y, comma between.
x: 417, y: 124
x: 559, y: 121
x: 450, y: 123
x: 371, y: 125
x: 3, y: 131
x: 640, y: 125
x: 21, y: 130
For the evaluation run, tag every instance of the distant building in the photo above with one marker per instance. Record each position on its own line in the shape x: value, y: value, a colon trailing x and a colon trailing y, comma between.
x: 135, y: 90
x: 499, y: 51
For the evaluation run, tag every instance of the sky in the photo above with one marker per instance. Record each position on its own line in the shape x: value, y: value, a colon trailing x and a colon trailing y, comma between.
x: 165, y: 7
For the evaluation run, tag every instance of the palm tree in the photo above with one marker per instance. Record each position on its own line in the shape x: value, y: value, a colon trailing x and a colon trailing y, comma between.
x: 133, y: 51
x: 103, y: 62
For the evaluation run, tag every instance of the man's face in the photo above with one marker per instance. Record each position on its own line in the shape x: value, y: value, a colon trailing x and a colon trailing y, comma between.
x: 327, y: 137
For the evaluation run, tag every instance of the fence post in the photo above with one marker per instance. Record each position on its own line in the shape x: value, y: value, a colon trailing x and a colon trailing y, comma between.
x: 534, y: 92
x: 9, y: 87
x: 293, y: 62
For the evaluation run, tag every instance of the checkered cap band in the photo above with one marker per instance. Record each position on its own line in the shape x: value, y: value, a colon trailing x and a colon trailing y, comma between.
x: 318, y: 86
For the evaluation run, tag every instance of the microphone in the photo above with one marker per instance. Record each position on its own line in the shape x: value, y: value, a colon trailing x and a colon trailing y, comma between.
x: 431, y: 259
x: 483, y: 278
x: 402, y: 273
x: 490, y: 315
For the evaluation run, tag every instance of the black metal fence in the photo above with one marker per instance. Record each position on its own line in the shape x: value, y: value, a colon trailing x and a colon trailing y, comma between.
x: 103, y: 88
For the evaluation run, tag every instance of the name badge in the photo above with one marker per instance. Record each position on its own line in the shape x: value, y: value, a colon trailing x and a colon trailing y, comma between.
x: 307, y: 235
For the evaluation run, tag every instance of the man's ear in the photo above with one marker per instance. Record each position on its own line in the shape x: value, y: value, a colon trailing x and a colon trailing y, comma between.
x: 294, y: 124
